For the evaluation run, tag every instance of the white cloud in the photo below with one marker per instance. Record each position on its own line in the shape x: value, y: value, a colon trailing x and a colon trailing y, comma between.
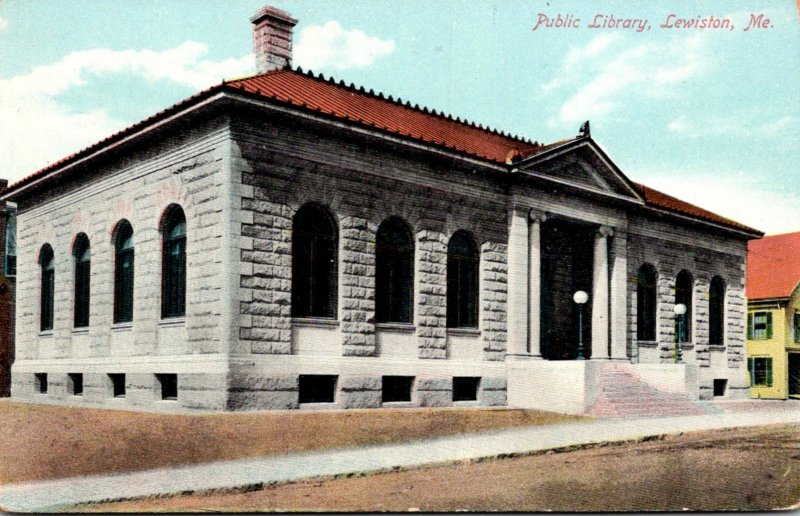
x: 741, y: 125
x: 606, y: 72
x: 37, y: 128
x: 733, y: 194
x: 331, y: 46
x: 3, y: 24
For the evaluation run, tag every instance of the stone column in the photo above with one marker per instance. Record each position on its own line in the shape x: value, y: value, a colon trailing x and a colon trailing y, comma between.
x: 535, y: 278
x: 619, y: 291
x: 600, y: 296
x: 518, y: 282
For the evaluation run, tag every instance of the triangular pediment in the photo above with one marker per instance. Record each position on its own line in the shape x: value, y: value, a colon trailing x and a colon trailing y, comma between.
x: 580, y: 164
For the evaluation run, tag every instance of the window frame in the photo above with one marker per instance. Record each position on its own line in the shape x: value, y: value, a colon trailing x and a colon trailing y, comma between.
x: 173, y: 263
x: 315, y: 267
x: 463, y: 279
x: 47, y: 271
x: 82, y: 280
x: 646, y: 293
x: 685, y: 296
x: 766, y: 370
x: 124, y: 272
x: 754, y: 333
x: 394, y: 272
x: 797, y: 326
x: 10, y: 265
x: 716, y: 313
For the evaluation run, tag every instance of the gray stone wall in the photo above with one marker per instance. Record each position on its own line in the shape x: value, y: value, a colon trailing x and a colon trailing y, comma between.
x: 671, y: 249
x: 185, y: 169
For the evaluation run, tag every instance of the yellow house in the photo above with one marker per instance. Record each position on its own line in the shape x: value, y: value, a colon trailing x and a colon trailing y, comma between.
x: 773, y: 316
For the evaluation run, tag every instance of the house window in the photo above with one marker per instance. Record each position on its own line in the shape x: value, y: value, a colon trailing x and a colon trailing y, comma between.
x: 47, y: 291
x: 716, y: 311
x: 75, y: 384
x: 169, y: 386
x: 173, y: 264
x: 11, y: 243
x: 797, y: 326
x: 396, y: 388
x: 394, y: 272
x: 314, y: 262
x: 117, y: 385
x: 123, y: 273
x: 683, y: 295
x: 760, y: 370
x: 759, y: 325
x: 646, y: 303
x: 83, y: 266
x: 462, y: 281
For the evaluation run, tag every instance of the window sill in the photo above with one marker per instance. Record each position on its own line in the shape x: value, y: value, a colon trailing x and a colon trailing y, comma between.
x: 716, y: 347
x: 172, y: 321
x: 80, y: 331
x: 464, y: 332
x: 398, y: 404
x: 687, y: 345
x: 315, y: 322
x: 322, y: 405
x: 123, y: 326
x: 399, y: 327
x: 46, y: 333
x: 467, y: 403
x: 647, y: 343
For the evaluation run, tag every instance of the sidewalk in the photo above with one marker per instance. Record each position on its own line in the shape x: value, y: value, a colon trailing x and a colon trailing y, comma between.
x: 56, y: 494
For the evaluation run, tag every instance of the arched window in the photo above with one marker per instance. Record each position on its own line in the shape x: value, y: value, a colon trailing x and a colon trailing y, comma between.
x: 173, y: 263
x: 314, y: 260
x: 462, y: 281
x: 83, y: 275
x: 716, y: 311
x: 47, y: 292
x: 123, y: 272
x: 646, y: 303
x: 683, y: 295
x: 394, y: 272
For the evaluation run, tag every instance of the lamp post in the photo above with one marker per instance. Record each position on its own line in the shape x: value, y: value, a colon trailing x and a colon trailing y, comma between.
x: 580, y: 299
x: 680, y: 311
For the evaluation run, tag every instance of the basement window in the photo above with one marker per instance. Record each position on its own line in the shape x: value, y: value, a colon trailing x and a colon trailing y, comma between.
x: 720, y: 386
x: 397, y: 388
x: 465, y: 388
x: 75, y: 384
x: 117, y: 385
x: 40, y: 382
x: 169, y: 386
x: 317, y: 388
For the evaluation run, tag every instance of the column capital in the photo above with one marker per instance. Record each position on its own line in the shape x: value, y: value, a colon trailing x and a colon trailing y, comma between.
x: 535, y: 215
x: 605, y: 231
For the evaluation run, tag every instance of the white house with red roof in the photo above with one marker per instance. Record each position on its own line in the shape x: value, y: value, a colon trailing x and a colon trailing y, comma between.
x: 290, y: 241
x: 773, y: 316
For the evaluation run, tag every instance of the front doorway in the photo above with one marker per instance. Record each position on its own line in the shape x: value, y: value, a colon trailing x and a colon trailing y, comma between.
x: 566, y: 267
x: 794, y: 375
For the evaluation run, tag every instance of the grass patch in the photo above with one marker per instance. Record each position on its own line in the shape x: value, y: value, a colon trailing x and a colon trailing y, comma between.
x: 42, y: 441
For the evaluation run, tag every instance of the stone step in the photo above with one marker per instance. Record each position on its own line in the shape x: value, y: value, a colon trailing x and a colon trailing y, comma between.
x: 622, y: 395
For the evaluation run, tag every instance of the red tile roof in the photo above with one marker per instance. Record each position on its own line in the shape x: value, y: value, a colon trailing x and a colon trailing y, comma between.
x: 386, y: 114
x: 355, y: 105
x: 661, y: 200
x: 773, y: 266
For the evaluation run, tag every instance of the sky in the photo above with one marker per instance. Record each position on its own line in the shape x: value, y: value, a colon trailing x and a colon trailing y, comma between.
x: 709, y: 115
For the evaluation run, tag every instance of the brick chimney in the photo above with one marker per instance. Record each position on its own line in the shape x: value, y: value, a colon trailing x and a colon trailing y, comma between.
x: 272, y: 38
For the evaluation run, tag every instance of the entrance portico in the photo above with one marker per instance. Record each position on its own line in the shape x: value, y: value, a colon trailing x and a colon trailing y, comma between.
x: 550, y: 257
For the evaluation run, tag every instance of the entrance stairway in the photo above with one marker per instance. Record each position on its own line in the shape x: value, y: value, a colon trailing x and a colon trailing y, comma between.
x: 623, y: 395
